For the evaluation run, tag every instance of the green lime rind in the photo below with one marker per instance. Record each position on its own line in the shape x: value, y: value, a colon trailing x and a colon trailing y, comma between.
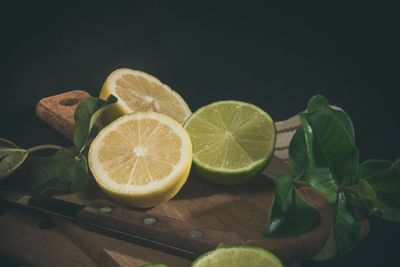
x: 237, y: 256
x: 229, y: 178
x: 232, y: 141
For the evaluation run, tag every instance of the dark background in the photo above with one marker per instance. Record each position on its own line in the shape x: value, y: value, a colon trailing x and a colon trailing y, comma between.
x: 275, y: 57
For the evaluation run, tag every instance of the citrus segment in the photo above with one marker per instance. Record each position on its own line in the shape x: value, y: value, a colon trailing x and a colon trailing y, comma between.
x: 237, y: 256
x: 232, y: 141
x: 141, y: 159
x: 139, y: 91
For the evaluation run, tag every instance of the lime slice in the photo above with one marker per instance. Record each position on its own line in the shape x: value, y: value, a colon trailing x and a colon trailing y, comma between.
x: 232, y: 141
x: 237, y: 256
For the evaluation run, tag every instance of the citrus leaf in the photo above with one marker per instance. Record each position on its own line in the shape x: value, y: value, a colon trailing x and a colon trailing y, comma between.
x: 74, y: 171
x: 384, y: 176
x: 299, y: 159
x: 60, y: 171
x: 356, y: 201
x: 386, y: 212
x: 346, y: 122
x: 298, y: 154
x: 317, y: 103
x: 320, y: 103
x: 384, y: 179
x: 366, y: 194
x: 333, y: 158
x: 50, y: 184
x: 86, y: 115
x: 346, y: 227
x: 289, y: 214
x: 11, y: 157
x: 328, y: 251
x: 39, y: 174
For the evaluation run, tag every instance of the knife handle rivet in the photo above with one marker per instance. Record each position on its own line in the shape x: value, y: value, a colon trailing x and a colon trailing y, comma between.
x: 105, y: 209
x: 150, y: 220
x: 196, y: 233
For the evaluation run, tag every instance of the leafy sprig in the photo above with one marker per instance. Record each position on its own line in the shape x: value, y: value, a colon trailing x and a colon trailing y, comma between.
x: 67, y: 169
x: 323, y: 155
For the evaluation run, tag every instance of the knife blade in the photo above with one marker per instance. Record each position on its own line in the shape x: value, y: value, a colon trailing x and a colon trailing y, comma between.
x: 129, y: 224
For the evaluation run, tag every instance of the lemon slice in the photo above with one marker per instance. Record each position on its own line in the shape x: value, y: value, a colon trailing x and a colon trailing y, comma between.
x: 141, y: 159
x: 139, y: 91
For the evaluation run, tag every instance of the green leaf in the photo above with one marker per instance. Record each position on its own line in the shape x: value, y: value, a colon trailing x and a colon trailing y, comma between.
x: 40, y: 173
x: 333, y: 158
x: 320, y: 103
x: 384, y: 179
x: 366, y: 193
x: 384, y: 176
x: 346, y: 227
x: 289, y: 214
x: 74, y: 170
x: 317, y: 103
x: 346, y: 122
x: 346, y: 230
x: 328, y: 251
x: 356, y: 201
x: 391, y: 199
x: 299, y: 160
x: 11, y: 157
x: 60, y: 171
x: 298, y: 154
x: 386, y: 212
x: 387, y: 206
x: 86, y: 115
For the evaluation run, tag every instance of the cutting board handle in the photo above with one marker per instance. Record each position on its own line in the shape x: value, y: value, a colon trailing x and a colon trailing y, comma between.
x: 160, y: 232
x: 58, y: 111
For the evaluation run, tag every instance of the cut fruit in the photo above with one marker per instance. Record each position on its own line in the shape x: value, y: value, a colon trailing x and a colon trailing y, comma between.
x: 232, y: 141
x: 139, y: 91
x: 141, y: 159
x: 237, y: 256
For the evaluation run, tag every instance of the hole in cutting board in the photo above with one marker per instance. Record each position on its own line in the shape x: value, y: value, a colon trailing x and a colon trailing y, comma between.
x: 69, y: 101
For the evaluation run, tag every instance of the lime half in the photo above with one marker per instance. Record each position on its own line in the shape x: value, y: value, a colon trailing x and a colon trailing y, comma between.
x: 237, y: 256
x: 232, y: 141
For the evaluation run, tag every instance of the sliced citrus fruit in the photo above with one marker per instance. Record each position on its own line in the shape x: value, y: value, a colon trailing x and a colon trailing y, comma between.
x: 139, y: 91
x: 141, y: 159
x: 232, y: 141
x: 237, y: 256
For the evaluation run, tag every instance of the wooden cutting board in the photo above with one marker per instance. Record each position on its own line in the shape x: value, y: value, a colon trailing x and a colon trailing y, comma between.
x: 240, y: 209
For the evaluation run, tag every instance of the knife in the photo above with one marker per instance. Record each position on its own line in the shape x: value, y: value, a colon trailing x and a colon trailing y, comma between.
x: 129, y: 224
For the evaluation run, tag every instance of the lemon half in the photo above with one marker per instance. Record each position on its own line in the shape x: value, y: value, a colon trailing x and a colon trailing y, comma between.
x: 141, y: 159
x: 139, y: 91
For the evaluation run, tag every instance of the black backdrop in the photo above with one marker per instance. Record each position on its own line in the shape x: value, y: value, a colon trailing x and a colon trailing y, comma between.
x: 274, y: 57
